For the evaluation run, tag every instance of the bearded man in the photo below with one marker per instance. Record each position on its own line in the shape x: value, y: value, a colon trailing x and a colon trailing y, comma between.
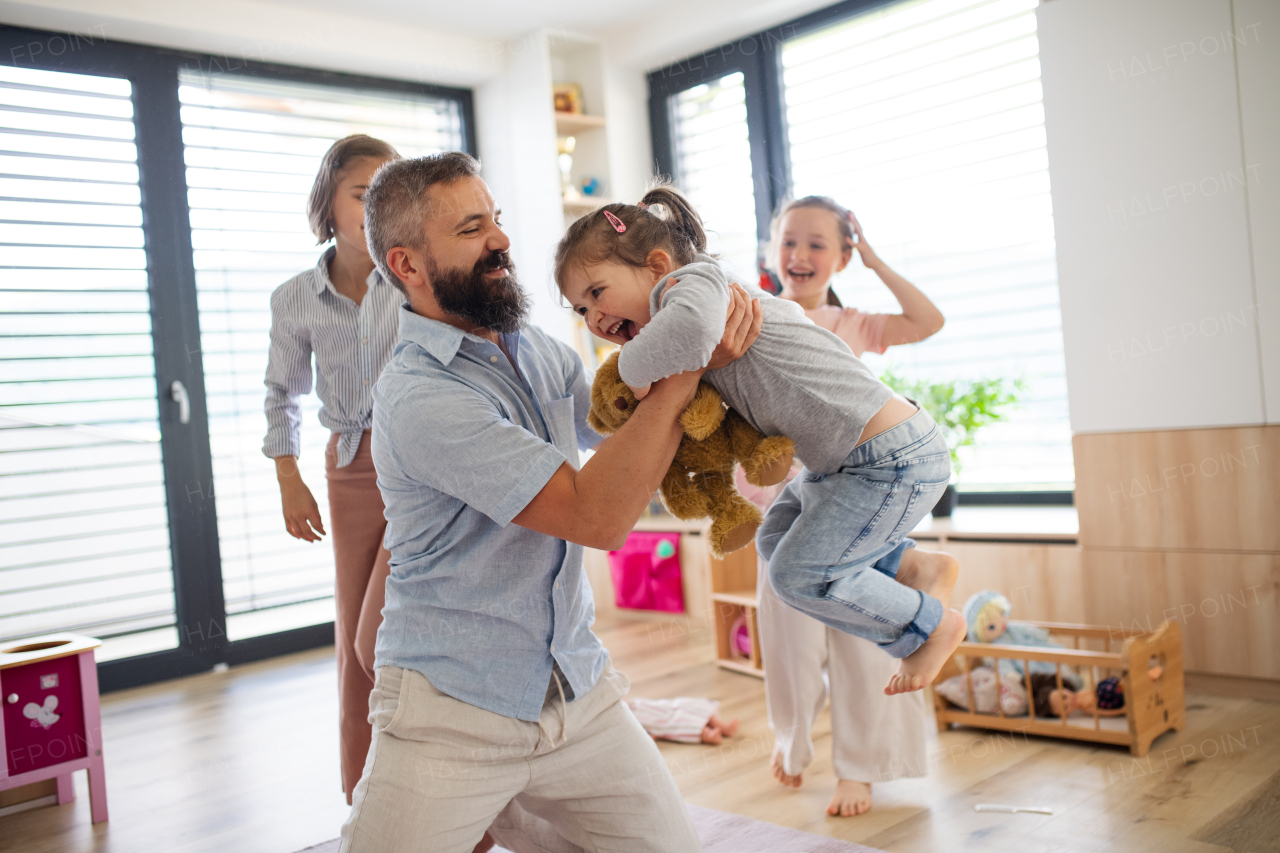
x: 494, y: 703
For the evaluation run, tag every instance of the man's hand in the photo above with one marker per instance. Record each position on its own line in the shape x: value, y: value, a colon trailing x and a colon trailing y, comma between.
x: 741, y: 329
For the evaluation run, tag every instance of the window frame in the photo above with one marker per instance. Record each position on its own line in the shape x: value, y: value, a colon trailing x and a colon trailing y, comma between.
x: 199, y: 608
x: 759, y: 57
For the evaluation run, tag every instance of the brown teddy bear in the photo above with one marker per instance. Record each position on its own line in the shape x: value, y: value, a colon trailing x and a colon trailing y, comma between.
x: 700, y: 481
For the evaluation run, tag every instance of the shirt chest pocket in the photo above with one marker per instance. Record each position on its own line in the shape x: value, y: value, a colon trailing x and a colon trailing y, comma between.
x: 564, y: 433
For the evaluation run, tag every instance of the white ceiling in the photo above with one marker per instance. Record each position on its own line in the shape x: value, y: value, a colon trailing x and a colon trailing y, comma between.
x: 640, y: 33
x: 494, y: 19
x: 444, y: 41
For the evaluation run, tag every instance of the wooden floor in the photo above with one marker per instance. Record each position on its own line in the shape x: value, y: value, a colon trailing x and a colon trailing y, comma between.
x: 245, y: 761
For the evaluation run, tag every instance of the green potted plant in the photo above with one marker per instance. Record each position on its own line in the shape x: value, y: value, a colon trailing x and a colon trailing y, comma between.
x: 960, y: 408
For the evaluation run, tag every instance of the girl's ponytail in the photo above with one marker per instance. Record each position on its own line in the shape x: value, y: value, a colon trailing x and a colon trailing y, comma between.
x: 680, y: 216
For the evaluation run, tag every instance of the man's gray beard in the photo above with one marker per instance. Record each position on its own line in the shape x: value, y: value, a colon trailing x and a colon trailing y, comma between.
x: 499, y: 305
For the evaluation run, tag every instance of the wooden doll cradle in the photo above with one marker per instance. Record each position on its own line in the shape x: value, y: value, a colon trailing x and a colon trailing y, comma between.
x: 1151, y: 707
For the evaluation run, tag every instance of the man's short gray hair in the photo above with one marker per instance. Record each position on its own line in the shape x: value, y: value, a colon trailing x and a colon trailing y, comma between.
x: 396, y: 204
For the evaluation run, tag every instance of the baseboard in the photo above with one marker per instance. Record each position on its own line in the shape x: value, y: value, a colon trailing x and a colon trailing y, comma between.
x: 1233, y: 686
x: 38, y: 802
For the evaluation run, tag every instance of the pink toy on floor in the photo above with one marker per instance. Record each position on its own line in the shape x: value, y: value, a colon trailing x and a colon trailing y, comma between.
x: 52, y: 723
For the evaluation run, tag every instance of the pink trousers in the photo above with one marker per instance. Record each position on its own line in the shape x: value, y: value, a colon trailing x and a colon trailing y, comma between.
x: 356, y: 524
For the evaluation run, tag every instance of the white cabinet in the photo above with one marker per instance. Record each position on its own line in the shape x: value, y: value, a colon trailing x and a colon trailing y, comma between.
x: 1151, y: 203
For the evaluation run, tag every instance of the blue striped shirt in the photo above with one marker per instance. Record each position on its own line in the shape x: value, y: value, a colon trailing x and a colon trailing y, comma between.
x: 351, y: 343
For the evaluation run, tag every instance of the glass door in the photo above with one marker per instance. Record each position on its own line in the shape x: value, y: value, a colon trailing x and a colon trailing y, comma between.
x: 84, y: 525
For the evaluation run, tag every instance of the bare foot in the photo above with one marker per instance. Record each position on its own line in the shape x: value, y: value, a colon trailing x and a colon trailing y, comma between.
x: 711, y: 734
x: 720, y: 727
x: 932, y: 572
x: 775, y: 764
x: 851, y: 798
x: 921, y: 667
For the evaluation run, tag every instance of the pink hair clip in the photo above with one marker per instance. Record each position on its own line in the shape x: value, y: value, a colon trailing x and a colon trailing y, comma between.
x: 615, y: 222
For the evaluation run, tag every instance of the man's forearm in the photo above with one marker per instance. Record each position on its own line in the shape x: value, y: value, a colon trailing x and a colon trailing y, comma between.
x: 617, y: 483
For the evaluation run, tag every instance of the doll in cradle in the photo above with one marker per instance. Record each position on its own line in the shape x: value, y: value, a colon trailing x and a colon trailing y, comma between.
x: 987, y: 615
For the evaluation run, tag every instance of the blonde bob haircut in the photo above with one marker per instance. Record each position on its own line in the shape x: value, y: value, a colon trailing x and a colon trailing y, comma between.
x: 339, y: 156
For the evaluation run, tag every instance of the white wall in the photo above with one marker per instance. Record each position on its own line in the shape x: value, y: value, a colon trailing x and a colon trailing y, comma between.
x: 517, y: 141
x: 1150, y: 184
x: 1258, y: 61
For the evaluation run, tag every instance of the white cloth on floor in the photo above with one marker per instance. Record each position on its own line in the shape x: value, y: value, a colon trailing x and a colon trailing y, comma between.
x: 681, y: 719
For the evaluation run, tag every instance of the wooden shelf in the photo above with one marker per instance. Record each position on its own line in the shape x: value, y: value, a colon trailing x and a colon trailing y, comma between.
x: 569, y: 124
x: 1002, y: 524
x: 665, y: 523
x: 740, y: 666
x: 742, y: 597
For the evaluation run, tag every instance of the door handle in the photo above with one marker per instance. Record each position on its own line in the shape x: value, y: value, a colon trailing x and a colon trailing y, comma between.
x: 178, y: 393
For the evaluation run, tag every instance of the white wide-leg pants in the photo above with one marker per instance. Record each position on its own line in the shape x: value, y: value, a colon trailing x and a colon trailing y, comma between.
x: 875, y: 738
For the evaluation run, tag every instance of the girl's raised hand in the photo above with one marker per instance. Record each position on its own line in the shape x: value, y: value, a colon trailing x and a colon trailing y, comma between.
x: 865, y: 252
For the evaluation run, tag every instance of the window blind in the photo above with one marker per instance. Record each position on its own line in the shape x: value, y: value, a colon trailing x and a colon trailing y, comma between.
x: 252, y: 151
x: 926, y: 119
x: 713, y: 167
x: 84, y: 535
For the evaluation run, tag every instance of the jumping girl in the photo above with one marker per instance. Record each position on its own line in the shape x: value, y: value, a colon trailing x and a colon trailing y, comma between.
x: 875, y: 463
x: 873, y: 738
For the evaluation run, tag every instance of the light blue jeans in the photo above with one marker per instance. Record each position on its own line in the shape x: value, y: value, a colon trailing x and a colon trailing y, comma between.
x: 834, y: 541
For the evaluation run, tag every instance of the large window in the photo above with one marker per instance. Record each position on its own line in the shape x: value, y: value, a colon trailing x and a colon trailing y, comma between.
x: 925, y: 118
x: 84, y: 536
x: 252, y: 151
x: 149, y: 204
x: 713, y: 166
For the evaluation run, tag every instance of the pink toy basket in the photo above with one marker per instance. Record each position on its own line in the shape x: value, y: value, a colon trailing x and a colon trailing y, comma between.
x: 646, y: 573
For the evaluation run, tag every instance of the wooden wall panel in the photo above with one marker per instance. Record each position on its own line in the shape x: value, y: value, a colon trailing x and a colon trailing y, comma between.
x: 1202, y: 489
x: 1227, y: 604
x: 1042, y: 582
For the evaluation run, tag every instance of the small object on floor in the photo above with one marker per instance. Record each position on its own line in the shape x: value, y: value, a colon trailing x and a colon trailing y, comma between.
x: 684, y: 719
x: 1003, y: 809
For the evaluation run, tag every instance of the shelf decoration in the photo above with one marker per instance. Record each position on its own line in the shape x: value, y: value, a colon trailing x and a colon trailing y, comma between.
x: 568, y: 98
x: 566, y: 145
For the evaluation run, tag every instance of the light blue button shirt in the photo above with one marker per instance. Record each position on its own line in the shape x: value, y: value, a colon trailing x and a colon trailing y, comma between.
x: 462, y: 443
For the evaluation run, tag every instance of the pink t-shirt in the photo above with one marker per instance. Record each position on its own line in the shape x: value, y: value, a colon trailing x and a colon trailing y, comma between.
x: 863, y: 332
